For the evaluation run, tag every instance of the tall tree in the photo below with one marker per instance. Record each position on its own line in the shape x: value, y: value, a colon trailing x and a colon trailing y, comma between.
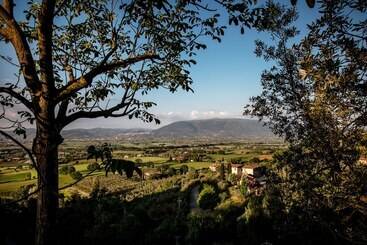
x: 315, y: 96
x: 88, y: 59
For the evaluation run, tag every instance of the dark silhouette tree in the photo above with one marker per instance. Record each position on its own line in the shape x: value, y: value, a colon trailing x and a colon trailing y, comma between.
x: 112, y: 165
x: 315, y: 97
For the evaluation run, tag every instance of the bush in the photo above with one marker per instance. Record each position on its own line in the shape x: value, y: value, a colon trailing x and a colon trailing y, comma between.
x: 64, y: 170
x: 208, y: 198
x: 223, y: 196
x: 71, y: 170
x: 232, y: 178
x: 76, y: 175
x: 223, y: 185
x: 171, y: 171
x: 193, y: 173
x: 93, y: 166
x: 184, y: 169
x: 255, y: 160
x: 138, y: 161
x: 244, y: 187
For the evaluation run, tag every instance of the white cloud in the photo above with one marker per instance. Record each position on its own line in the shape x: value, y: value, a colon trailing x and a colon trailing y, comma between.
x: 195, y: 114
x: 223, y: 113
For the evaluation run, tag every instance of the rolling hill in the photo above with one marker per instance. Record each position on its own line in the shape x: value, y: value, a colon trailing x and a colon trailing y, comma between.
x: 238, y: 128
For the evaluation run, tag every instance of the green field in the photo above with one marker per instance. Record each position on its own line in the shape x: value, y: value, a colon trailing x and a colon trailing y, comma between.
x: 12, y: 181
x: 196, y: 165
x: 13, y: 177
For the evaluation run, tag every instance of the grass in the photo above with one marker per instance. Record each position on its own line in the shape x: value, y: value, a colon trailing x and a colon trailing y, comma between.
x: 14, y: 177
x: 196, y: 165
x: 13, y: 186
x: 12, y: 181
x: 151, y: 159
x: 226, y: 156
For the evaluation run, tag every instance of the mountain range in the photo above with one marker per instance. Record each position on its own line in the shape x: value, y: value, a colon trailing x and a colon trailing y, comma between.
x: 238, y: 128
x: 208, y: 128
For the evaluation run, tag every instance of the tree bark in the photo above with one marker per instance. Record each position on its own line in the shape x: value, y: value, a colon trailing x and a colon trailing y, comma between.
x: 45, y: 147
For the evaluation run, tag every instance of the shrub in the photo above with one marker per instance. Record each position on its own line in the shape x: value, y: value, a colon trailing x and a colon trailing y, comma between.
x: 93, y: 166
x: 193, y: 173
x: 138, y: 161
x: 223, y: 185
x: 171, y: 171
x: 232, y: 178
x: 223, y: 196
x: 208, y: 198
x: 255, y: 160
x: 64, y: 170
x: 244, y: 187
x: 71, y: 170
x: 184, y: 169
x: 76, y: 175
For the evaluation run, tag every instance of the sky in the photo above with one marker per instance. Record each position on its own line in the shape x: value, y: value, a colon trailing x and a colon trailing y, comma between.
x: 226, y: 75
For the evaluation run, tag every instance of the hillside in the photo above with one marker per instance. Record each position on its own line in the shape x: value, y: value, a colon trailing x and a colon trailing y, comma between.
x: 237, y: 128
x: 209, y: 128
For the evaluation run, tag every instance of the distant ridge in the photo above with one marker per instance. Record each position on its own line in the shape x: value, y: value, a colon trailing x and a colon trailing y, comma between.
x: 102, y: 133
x: 231, y: 127
x: 208, y: 128
x: 93, y: 133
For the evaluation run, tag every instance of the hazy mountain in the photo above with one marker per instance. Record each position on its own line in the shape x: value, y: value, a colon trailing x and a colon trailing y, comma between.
x: 102, y: 133
x: 238, y: 128
x: 209, y: 128
x: 93, y: 133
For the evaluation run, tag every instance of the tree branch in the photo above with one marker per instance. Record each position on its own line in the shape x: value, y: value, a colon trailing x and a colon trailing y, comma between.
x: 44, y: 30
x: 85, y: 80
x: 13, y: 33
x: 17, y: 96
x: 101, y: 113
x: 9, y: 6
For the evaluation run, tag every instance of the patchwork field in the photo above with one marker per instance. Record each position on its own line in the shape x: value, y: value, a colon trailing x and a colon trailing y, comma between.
x: 13, y: 177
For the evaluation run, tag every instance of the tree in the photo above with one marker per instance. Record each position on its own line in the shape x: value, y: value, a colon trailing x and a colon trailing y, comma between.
x: 104, y: 152
x: 222, y: 171
x: 90, y: 59
x: 244, y: 186
x: 171, y: 171
x: 76, y: 175
x: 139, y: 161
x: 67, y: 170
x: 184, y: 169
x: 208, y: 197
x: 106, y: 49
x: 93, y: 166
x: 315, y: 97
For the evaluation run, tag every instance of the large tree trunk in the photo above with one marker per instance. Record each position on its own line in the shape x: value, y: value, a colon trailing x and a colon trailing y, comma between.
x: 45, y: 147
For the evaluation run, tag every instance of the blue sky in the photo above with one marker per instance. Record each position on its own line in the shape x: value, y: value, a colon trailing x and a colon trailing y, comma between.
x: 227, y: 74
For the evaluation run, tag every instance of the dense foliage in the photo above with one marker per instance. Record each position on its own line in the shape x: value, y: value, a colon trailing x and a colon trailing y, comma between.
x: 104, y: 152
x: 208, y: 197
x: 315, y: 97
